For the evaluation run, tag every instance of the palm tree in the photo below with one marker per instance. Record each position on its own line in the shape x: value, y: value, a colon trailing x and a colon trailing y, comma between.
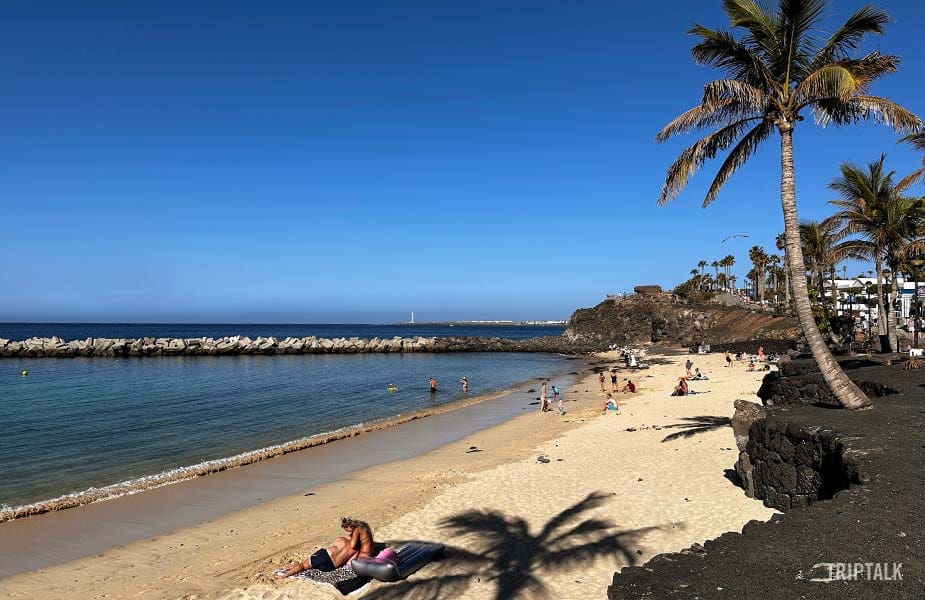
x: 715, y: 265
x: 759, y: 259
x: 819, y: 241
x: 703, y: 265
x: 871, y: 205
x: 778, y: 69
x: 774, y: 271
x: 728, y: 261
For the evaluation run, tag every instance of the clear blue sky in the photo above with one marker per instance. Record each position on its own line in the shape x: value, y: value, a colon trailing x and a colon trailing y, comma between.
x: 353, y: 161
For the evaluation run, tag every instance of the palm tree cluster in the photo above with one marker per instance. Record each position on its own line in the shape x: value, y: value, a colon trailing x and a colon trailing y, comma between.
x: 778, y: 68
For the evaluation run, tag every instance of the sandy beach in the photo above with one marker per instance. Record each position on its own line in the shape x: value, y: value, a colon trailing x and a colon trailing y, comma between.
x: 613, y: 492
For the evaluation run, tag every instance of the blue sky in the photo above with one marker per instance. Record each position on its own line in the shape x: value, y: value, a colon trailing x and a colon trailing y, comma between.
x: 353, y: 161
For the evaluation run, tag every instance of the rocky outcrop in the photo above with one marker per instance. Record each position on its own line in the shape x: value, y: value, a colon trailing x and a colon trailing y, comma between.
x: 800, y: 382
x: 644, y: 318
x: 848, y: 483
x: 56, y: 347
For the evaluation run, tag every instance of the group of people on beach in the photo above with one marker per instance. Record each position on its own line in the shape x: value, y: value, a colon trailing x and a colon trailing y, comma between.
x: 628, y: 388
x: 544, y: 399
x: 758, y: 361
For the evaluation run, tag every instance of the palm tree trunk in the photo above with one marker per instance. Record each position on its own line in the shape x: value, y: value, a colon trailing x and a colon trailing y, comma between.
x: 895, y: 328
x: 882, y: 320
x: 848, y: 394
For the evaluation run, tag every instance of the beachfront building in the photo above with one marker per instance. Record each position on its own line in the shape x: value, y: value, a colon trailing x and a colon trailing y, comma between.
x: 856, y: 295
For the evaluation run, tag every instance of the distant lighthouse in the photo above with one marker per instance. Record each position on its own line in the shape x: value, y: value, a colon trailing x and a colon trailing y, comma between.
x: 412, y: 317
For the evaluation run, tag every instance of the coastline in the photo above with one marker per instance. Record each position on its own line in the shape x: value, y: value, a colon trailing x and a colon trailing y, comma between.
x: 232, y: 556
x: 204, y: 468
x: 34, y: 529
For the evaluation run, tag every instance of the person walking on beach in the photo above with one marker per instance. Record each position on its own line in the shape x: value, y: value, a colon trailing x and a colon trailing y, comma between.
x: 613, y: 381
x: 601, y: 379
x: 688, y: 366
x: 433, y: 385
x: 544, y: 405
x: 465, y: 385
x: 728, y: 359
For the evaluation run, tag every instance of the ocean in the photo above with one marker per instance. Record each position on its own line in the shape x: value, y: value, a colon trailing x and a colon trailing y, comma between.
x: 80, y: 423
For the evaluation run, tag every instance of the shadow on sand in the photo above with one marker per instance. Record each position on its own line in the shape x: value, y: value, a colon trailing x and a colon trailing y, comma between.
x: 512, y: 558
x: 695, y: 425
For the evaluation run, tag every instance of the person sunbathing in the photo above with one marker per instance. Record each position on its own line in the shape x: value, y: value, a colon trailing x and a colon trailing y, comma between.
x: 681, y: 389
x: 358, y: 543
x: 698, y: 376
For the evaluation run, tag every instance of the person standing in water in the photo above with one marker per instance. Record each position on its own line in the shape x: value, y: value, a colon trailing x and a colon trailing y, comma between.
x: 465, y: 385
x: 543, y: 403
x: 433, y: 385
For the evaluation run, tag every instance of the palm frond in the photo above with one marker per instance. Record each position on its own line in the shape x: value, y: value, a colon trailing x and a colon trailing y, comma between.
x: 749, y: 15
x: 700, y: 117
x: 719, y: 49
x: 911, y: 179
x: 693, y: 157
x: 744, y: 95
x: 865, y: 21
x: 866, y: 108
x: 831, y: 81
x: 916, y: 140
x: 742, y: 151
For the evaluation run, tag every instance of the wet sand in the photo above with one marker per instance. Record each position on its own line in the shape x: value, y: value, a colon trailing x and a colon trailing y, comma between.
x: 658, y: 496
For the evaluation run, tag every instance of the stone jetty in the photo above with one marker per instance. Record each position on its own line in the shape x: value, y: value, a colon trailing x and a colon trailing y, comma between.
x: 55, y: 347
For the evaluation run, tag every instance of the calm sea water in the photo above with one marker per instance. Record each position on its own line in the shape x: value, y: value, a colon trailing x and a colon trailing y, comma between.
x: 80, y: 331
x: 76, y: 423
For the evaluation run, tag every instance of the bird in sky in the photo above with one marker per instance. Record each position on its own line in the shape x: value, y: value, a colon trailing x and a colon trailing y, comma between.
x: 735, y: 236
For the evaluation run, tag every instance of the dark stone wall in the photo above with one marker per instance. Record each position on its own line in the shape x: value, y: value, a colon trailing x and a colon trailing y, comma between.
x: 790, y: 467
x: 800, y: 382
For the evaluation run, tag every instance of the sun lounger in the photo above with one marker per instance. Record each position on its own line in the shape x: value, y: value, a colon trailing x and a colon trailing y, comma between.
x: 409, y: 558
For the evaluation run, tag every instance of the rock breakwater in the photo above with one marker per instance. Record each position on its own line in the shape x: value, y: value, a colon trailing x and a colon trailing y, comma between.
x: 55, y: 347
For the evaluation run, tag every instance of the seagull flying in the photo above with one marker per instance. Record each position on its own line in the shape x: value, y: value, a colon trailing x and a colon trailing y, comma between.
x: 735, y: 236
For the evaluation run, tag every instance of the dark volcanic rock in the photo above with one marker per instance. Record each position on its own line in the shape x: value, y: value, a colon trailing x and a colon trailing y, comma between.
x: 850, y: 483
x: 644, y: 318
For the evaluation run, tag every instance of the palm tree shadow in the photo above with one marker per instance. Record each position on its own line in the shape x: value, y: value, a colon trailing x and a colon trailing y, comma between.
x: 512, y: 558
x: 695, y: 425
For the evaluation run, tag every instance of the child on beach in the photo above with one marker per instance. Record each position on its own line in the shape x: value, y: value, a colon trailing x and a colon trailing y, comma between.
x: 630, y: 387
x: 728, y: 360
x: 601, y: 379
x: 610, y: 404
x: 555, y: 394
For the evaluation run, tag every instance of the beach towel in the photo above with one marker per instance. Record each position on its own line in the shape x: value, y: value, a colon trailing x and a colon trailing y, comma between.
x: 343, y: 579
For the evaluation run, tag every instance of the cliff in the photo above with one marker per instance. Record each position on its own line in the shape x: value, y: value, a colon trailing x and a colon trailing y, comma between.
x: 644, y: 318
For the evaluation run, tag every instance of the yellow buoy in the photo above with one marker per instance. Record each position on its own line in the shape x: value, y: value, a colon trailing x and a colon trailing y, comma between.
x: 24, y: 373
